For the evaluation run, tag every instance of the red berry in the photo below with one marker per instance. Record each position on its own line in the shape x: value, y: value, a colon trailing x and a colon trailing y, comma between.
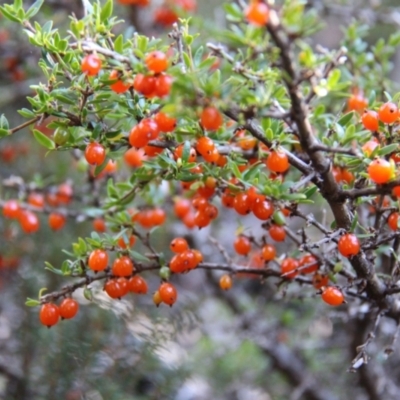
x: 349, y: 245
x: 168, y: 293
x: 68, y: 308
x: 162, y: 85
x: 211, y: 119
x: 56, y: 221
x: 138, y: 285
x: 11, y: 209
x: 36, y: 200
x: 29, y: 221
x: 332, y: 296
x: 98, y: 260
x: 95, y: 153
x: 122, y: 266
x: 156, y: 61
x: 393, y: 221
x: 380, y: 171
x: 289, y: 268
x: 388, y: 113
x: 49, y: 314
x: 242, y: 245
x: 91, y: 65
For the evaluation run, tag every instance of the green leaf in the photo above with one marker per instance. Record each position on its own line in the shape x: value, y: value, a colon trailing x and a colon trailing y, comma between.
x: 293, y: 196
x: 137, y: 256
x: 119, y: 44
x: 186, y: 151
x: 87, y: 293
x: 52, y: 269
x: 4, y: 132
x: 354, y: 223
x: 26, y: 113
x: 9, y: 15
x: 346, y: 118
x: 34, y: 8
x: 32, y: 303
x: 391, y: 148
x: 43, y: 140
x: 107, y: 11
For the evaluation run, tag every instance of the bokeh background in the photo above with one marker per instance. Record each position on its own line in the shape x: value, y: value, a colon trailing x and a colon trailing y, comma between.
x: 256, y: 342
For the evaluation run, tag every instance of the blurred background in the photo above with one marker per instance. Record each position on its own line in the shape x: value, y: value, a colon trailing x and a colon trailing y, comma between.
x: 256, y: 342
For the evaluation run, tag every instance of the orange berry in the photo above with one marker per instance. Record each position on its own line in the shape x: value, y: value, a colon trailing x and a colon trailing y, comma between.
x: 262, y: 208
x: 349, y: 245
x: 211, y: 119
x: 242, y: 245
x: 95, y: 153
x: 225, y: 282
x: 168, y: 293
x: 393, y: 221
x: 380, y: 171
x: 64, y: 193
x: 319, y: 280
x: 370, y: 120
x: 56, y: 221
x: 156, y: 61
x: 91, y: 65
x: 98, y: 260
x: 396, y: 191
x: 181, y: 207
x: 164, y: 122
x: 122, y: 266
x: 118, y: 86
x: 178, y: 153
x: 134, y: 157
x: 68, y: 308
x: 115, y: 288
x: 332, y: 296
x: 99, y: 225
x: 178, y: 245
x: 388, y: 113
x: 158, y: 216
x: 241, y: 204
x: 138, y: 285
x: 369, y: 147
x: 312, y: 263
x: 123, y: 245
x: 49, y: 314
x: 201, y: 220
x: 357, y: 102
x: 157, y: 300
x: 257, y: 13
x: 268, y: 252
x: 277, y: 233
x: 278, y: 162
x: 144, y: 84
